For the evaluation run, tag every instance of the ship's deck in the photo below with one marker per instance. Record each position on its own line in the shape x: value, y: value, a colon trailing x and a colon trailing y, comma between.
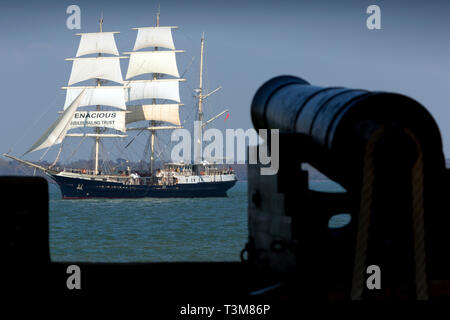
x: 162, y: 177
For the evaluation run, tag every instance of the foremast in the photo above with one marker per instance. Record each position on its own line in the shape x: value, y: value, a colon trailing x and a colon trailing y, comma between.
x: 97, y: 129
x: 97, y: 68
x: 104, y: 68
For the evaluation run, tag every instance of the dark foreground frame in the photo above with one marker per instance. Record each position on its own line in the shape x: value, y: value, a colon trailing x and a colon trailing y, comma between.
x: 31, y: 273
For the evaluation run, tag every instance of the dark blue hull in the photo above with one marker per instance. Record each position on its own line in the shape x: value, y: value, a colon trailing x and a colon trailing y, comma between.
x: 75, y: 188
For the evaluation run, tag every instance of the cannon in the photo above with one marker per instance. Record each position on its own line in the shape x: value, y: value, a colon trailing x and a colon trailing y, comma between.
x: 385, y: 150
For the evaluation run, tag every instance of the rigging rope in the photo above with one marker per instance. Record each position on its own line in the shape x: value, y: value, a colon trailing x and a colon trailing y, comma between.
x: 25, y: 132
x: 418, y: 221
x: 57, y: 156
x: 76, y: 148
x: 364, y: 215
x: 417, y: 184
x: 46, y: 151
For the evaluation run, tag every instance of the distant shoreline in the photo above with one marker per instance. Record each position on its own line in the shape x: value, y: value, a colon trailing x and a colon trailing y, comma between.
x: 13, y: 168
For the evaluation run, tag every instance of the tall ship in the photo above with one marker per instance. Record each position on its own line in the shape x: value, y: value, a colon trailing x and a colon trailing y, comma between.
x: 105, y: 111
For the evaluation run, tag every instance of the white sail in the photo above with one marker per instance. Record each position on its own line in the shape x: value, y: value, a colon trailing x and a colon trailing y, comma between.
x: 107, y: 96
x: 154, y: 37
x: 152, y: 62
x: 153, y: 89
x: 105, y: 119
x: 97, y: 42
x: 157, y: 112
x: 56, y: 132
x: 96, y: 135
x: 107, y: 68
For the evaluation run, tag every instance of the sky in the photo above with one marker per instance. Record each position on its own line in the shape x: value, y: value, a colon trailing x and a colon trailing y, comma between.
x: 247, y: 42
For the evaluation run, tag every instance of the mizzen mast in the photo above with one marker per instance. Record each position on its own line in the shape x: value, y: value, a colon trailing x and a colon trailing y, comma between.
x: 200, y: 124
x: 200, y: 86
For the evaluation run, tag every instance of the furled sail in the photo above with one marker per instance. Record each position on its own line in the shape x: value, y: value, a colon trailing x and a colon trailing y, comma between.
x: 152, y: 62
x: 154, y: 37
x: 56, y: 132
x: 97, y: 42
x: 107, y: 95
x: 106, y: 119
x: 99, y: 67
x: 153, y: 89
x: 157, y: 112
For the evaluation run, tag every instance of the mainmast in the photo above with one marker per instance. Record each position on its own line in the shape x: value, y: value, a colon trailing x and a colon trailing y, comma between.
x: 155, y: 62
x: 153, y: 122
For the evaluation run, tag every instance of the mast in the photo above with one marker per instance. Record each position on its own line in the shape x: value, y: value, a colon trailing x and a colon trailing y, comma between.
x: 97, y: 129
x: 152, y: 122
x: 155, y: 62
x: 95, y: 68
x: 200, y: 86
x: 199, y: 156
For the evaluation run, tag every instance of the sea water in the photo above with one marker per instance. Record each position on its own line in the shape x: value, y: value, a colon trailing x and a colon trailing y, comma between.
x: 154, y: 230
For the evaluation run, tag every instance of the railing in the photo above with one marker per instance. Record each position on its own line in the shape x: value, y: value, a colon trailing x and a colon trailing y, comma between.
x: 164, y: 178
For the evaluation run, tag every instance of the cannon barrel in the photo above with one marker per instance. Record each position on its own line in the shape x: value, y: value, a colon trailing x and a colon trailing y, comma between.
x: 339, y: 121
x: 385, y: 149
